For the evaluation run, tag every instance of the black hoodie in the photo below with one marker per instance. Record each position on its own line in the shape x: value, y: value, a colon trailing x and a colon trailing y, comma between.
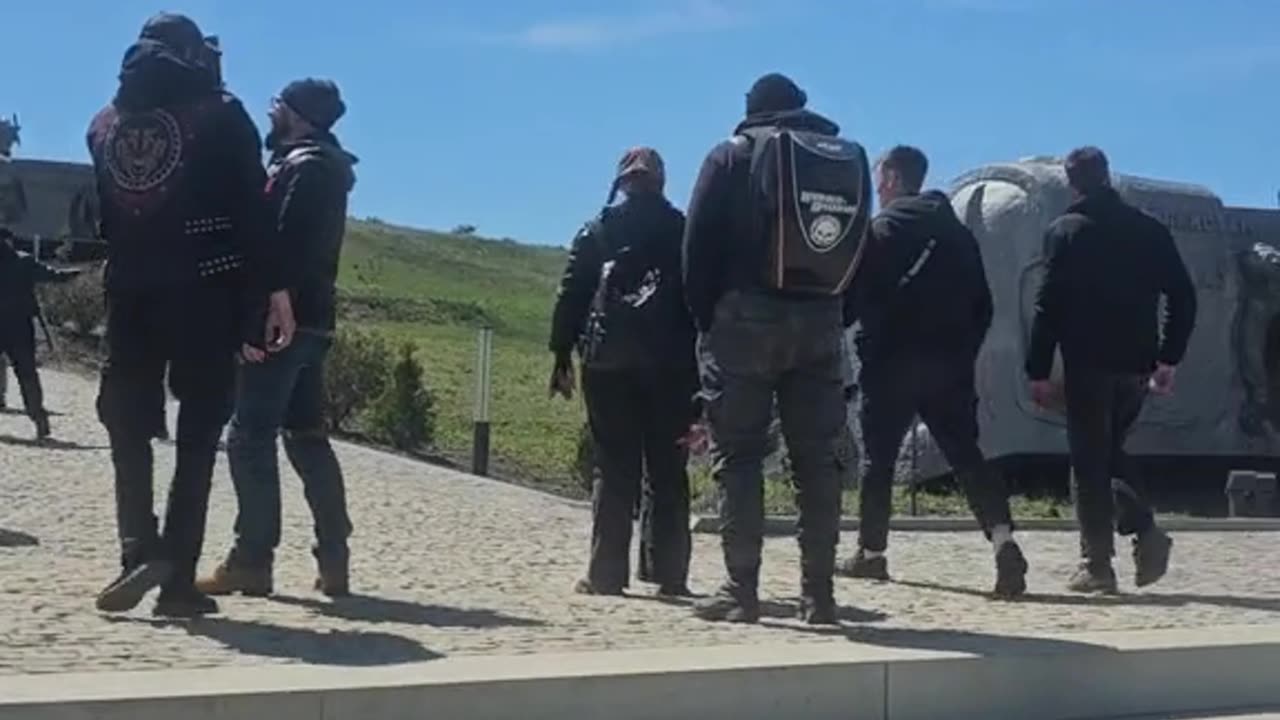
x: 945, y: 306
x: 1109, y: 264
x: 721, y: 251
x: 179, y: 177
x: 307, y: 187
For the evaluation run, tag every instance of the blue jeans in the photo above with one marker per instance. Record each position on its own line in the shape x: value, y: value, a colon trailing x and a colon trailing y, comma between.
x: 285, y: 392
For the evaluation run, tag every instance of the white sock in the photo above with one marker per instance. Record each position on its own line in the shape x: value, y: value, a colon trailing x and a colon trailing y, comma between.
x: 872, y: 554
x: 1001, y: 534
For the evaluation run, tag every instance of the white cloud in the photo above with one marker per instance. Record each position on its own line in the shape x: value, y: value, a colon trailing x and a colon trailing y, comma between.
x: 585, y: 33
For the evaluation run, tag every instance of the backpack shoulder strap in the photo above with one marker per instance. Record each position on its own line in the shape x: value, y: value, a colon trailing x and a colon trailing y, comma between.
x: 914, y: 269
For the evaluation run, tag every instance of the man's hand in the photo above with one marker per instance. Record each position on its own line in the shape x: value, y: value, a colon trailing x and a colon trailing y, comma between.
x: 252, y: 354
x: 562, y: 378
x: 1042, y: 393
x: 1161, y: 382
x: 280, y: 322
x: 697, y: 439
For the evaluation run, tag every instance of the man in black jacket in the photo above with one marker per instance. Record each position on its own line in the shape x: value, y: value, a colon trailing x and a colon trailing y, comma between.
x: 19, y: 273
x: 179, y: 181
x: 760, y: 344
x: 310, y: 177
x: 621, y: 301
x: 924, y: 307
x: 1108, y: 265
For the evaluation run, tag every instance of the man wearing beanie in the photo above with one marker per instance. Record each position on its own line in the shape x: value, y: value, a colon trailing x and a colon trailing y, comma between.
x: 310, y: 176
x: 771, y: 244
x: 621, y: 303
x: 179, y: 182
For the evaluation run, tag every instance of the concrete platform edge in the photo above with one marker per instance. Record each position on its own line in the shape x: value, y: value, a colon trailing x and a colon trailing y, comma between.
x: 786, y: 524
x: 1075, y: 676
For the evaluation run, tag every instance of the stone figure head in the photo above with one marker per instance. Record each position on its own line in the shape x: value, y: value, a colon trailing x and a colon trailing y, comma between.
x: 900, y: 172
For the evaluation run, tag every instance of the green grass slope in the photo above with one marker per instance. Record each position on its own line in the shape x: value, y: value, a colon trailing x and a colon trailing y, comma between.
x: 436, y: 290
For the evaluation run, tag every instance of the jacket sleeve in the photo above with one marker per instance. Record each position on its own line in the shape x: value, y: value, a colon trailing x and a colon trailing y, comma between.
x: 577, y: 287
x: 246, y: 182
x: 708, y: 230
x: 874, y: 268
x: 297, y: 221
x: 1180, y: 299
x: 1046, y: 325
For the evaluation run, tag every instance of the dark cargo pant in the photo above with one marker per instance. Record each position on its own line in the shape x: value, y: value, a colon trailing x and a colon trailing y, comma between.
x: 193, y: 332
x: 759, y: 347
x: 637, y: 418
x: 940, y: 389
x: 1101, y: 409
x: 18, y: 344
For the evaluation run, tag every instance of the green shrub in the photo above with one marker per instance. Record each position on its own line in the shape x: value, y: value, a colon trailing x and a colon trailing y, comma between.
x: 357, y: 372
x: 405, y: 414
x: 76, y: 306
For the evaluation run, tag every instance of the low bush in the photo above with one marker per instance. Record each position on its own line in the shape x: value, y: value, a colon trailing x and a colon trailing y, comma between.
x: 405, y: 415
x: 357, y: 373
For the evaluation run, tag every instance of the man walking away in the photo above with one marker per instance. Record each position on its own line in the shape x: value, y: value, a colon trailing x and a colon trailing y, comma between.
x: 622, y: 297
x: 19, y: 273
x: 179, y: 180
x: 310, y: 176
x: 774, y: 233
x: 1108, y: 265
x: 925, y: 308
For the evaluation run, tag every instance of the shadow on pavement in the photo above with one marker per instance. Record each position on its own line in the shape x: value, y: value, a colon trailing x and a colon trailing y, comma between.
x: 49, y: 444
x: 974, y: 643
x: 366, y: 608
x: 1165, y: 600
x: 336, y: 647
x: 771, y: 610
x: 13, y: 538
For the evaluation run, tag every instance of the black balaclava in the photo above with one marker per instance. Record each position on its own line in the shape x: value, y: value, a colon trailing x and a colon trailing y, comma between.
x: 774, y: 93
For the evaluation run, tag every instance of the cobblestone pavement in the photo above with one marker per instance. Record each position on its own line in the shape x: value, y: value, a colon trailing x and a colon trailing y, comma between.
x: 449, y: 564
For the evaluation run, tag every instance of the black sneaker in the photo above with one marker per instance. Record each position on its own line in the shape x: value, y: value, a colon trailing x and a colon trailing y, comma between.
x: 186, y: 603
x: 125, y: 592
x: 1011, y: 572
x: 1151, y: 556
x: 731, y: 606
x: 818, y: 610
x: 674, y: 590
x: 865, y: 568
x: 43, y: 431
x: 1093, y: 577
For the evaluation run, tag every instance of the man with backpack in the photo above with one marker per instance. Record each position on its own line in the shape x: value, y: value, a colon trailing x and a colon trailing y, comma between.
x: 772, y: 241
x: 924, y: 308
x: 621, y: 302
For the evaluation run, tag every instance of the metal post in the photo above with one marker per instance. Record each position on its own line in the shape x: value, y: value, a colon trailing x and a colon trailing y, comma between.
x: 915, y: 463
x: 480, y: 438
x: 35, y: 247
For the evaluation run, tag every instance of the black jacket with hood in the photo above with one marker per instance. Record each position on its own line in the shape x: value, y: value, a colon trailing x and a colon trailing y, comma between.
x: 642, y: 233
x: 19, y: 274
x: 179, y: 174
x: 1108, y: 265
x: 944, y: 307
x: 308, y: 182
x: 722, y: 251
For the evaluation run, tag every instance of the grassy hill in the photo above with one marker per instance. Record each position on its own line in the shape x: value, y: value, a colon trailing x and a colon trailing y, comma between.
x: 435, y: 290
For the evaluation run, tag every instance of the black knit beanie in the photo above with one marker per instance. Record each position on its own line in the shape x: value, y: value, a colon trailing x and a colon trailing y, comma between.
x: 774, y: 93
x: 317, y: 101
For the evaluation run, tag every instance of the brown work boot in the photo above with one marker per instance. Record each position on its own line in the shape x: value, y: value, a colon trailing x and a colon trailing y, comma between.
x: 229, y: 578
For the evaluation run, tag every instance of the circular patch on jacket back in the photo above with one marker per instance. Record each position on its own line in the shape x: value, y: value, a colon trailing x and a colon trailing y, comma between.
x: 143, y: 150
x: 825, y: 232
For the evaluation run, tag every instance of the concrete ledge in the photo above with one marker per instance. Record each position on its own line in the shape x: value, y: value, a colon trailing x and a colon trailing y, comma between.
x: 786, y: 524
x: 883, y: 672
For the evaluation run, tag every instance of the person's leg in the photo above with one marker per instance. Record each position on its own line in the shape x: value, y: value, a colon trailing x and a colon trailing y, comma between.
x: 736, y: 362
x: 887, y: 408
x: 949, y: 409
x: 22, y: 351
x: 1089, y: 417
x: 262, y: 394
x: 4, y: 379
x: 1134, y: 517
x: 130, y: 397
x: 306, y: 442
x: 610, y: 398
x: 202, y: 376
x: 666, y: 534
x: 811, y: 406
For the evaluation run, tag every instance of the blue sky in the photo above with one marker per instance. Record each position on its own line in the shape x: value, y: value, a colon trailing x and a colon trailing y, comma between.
x: 510, y: 115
